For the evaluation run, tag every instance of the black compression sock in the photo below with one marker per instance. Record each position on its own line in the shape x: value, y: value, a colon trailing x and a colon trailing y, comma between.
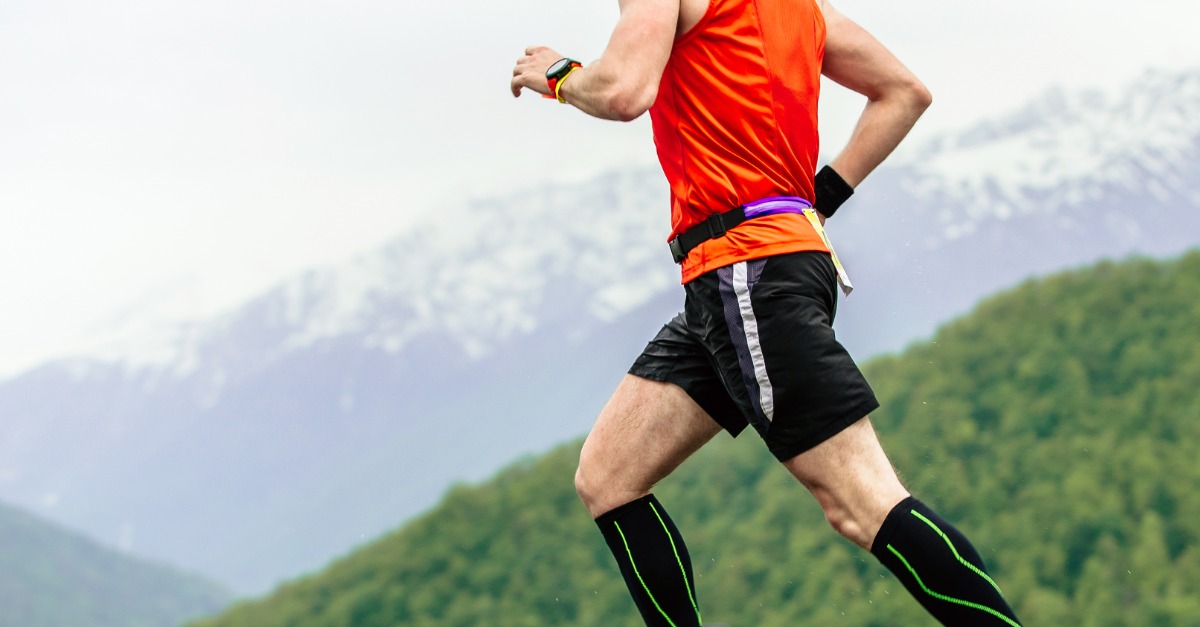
x: 654, y: 561
x: 940, y: 568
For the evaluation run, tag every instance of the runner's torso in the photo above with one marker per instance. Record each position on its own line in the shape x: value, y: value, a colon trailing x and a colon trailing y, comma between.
x: 736, y: 121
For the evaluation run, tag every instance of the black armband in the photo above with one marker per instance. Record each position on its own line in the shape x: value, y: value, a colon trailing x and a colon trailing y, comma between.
x: 831, y: 191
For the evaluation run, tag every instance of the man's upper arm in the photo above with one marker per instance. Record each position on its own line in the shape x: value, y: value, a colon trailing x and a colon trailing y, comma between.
x: 856, y: 60
x: 639, y: 48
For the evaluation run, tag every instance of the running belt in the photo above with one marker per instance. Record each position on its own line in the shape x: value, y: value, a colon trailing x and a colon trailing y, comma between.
x: 717, y: 224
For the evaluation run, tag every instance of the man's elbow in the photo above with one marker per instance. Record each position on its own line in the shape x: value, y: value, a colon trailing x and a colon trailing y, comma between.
x: 919, y: 96
x: 907, y: 92
x: 629, y: 102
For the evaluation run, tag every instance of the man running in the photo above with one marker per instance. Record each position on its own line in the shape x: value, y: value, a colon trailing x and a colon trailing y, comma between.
x: 732, y: 87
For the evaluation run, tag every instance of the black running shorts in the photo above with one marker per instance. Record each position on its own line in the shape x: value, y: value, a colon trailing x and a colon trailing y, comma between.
x: 755, y: 345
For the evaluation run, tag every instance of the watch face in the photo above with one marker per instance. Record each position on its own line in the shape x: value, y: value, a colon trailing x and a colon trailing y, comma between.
x: 558, y: 68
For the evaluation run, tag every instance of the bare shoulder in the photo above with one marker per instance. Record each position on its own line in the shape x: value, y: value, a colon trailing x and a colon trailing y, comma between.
x: 827, y: 9
x: 690, y: 14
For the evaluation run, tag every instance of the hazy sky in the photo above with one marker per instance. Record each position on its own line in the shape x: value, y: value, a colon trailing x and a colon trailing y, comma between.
x: 227, y: 143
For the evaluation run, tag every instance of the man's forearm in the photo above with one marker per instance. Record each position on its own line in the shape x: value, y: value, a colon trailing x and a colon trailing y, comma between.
x: 881, y: 127
x: 598, y: 92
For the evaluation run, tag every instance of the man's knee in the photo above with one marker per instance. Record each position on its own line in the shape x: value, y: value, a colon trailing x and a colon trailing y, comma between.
x: 592, y: 487
x: 853, y: 481
x: 853, y: 523
x: 587, y: 490
x: 602, y: 490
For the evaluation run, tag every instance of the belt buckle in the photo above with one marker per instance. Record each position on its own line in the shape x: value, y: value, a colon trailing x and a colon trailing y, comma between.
x: 677, y: 250
x: 719, y: 220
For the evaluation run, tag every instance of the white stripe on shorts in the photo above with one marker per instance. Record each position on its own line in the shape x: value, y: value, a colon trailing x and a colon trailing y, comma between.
x: 766, y: 395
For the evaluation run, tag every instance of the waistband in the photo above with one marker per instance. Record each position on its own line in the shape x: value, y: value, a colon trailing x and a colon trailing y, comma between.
x: 717, y: 224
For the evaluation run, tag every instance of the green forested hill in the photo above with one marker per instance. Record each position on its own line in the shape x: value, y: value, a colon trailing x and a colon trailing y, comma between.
x: 1058, y: 425
x: 53, y: 578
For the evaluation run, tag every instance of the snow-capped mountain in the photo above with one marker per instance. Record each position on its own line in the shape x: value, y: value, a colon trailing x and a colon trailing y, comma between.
x: 258, y: 444
x: 1066, y: 149
x: 480, y: 273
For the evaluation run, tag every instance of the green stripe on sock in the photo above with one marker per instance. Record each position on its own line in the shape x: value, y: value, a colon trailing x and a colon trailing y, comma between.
x: 955, y: 551
x: 945, y: 598
x: 679, y: 561
x: 639, y: 575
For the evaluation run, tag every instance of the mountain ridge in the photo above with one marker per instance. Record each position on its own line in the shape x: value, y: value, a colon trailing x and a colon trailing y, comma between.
x: 53, y: 577
x: 1066, y: 149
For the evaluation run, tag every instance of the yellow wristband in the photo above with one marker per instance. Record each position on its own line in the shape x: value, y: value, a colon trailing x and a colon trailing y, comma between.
x: 559, y: 84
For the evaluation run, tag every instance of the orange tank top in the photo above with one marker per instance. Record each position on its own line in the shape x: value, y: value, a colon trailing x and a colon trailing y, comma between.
x: 736, y: 121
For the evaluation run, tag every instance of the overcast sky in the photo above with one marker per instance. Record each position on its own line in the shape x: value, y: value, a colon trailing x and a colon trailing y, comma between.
x: 228, y: 143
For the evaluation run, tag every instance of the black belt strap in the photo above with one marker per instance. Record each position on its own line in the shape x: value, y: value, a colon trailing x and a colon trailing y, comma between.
x: 715, y: 226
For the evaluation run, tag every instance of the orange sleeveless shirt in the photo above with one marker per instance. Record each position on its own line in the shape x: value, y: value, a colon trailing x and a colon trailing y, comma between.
x: 736, y: 121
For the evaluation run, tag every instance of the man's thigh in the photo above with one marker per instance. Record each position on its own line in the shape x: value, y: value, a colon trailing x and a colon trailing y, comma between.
x: 767, y: 323
x: 853, y: 480
x: 647, y: 429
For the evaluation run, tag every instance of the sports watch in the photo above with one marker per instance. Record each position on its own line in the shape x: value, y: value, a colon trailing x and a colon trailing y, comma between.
x: 559, y: 71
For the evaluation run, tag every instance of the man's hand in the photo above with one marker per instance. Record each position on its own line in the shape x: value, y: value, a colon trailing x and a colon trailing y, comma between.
x: 530, y: 71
